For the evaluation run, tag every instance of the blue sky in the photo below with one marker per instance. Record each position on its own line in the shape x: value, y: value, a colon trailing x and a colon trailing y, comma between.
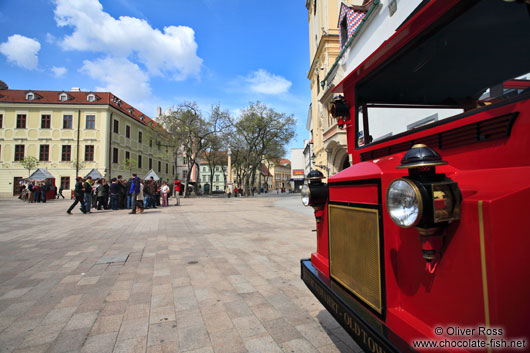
x: 162, y: 52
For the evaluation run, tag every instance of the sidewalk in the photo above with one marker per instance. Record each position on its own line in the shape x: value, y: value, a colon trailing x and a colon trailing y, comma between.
x: 212, y: 275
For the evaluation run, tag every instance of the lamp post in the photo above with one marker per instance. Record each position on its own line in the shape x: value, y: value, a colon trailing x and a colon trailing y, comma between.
x: 229, y: 177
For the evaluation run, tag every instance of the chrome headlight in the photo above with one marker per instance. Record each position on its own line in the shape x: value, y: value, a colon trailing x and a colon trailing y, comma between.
x: 306, y: 195
x: 404, y: 203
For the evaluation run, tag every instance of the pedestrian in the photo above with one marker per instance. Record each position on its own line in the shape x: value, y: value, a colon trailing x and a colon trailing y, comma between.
x: 122, y: 195
x: 43, y: 191
x: 87, y: 190
x: 37, y: 191
x: 228, y: 191
x: 177, y: 189
x: 114, y: 193
x: 31, y: 189
x: 106, y: 195
x: 100, y: 194
x: 130, y: 201
x: 134, y: 191
x: 164, y: 190
x: 139, y: 202
x: 78, y: 194
x: 235, y: 191
x: 60, y: 194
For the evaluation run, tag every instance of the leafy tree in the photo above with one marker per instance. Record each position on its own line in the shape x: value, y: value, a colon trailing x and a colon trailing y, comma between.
x: 193, y: 132
x: 129, y: 164
x: 78, y: 164
x: 29, y: 163
x: 260, y: 134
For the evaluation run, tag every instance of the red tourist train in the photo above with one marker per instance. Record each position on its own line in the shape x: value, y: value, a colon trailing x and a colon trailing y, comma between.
x: 423, y: 242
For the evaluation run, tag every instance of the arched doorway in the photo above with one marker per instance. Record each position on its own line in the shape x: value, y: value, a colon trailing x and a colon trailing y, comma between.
x: 345, y: 162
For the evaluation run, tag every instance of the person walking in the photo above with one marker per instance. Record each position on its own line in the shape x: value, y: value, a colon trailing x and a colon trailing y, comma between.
x: 78, y: 194
x: 60, y: 194
x: 178, y: 187
x: 87, y: 189
x: 164, y: 190
x: 134, y: 191
x: 228, y: 191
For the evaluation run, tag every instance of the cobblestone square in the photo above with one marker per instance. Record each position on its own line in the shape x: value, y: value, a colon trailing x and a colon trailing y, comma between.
x: 212, y: 275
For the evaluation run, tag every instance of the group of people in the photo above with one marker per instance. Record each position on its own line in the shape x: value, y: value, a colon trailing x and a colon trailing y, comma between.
x: 134, y: 194
x: 35, y: 191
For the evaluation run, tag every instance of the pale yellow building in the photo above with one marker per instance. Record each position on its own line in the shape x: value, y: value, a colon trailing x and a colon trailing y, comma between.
x: 281, y: 174
x: 73, y: 132
x: 332, y: 27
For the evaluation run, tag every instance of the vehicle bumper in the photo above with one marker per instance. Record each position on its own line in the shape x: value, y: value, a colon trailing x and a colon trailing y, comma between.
x: 370, y: 333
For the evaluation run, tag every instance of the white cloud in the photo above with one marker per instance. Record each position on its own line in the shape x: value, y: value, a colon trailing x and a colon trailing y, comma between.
x: 21, y: 51
x: 121, y: 77
x: 171, y: 52
x: 264, y: 82
x: 59, y: 71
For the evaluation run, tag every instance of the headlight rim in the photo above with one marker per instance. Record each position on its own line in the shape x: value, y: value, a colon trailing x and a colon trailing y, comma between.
x: 419, y: 196
x: 307, y: 188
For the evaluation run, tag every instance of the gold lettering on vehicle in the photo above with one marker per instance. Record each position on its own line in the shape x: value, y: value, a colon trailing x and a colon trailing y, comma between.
x: 355, y: 328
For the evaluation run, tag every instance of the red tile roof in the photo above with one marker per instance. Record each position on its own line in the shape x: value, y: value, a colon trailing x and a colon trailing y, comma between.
x: 75, y: 97
x: 285, y: 162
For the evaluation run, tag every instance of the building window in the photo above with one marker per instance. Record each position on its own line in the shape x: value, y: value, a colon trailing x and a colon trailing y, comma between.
x: 44, y: 153
x: 65, y: 183
x: 21, y: 121
x: 90, y: 121
x: 1, y: 121
x: 139, y: 137
x: 66, y: 153
x: 91, y: 98
x: 150, y: 163
x: 116, y: 127
x: 45, y: 121
x: 139, y: 162
x: 344, y: 32
x: 159, y: 166
x: 115, y: 155
x: 63, y: 97
x: 217, y: 177
x: 184, y: 174
x: 30, y: 96
x: 89, y: 153
x: 167, y: 168
x: 150, y: 142
x: 19, y: 152
x: 127, y: 131
x: 67, y: 122
x: 127, y: 155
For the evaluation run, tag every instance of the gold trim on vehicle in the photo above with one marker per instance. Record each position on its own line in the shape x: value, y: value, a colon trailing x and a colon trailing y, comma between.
x: 355, y: 252
x: 483, y: 266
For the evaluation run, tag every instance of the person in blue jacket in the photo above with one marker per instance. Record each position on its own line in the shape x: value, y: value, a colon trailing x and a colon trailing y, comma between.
x: 134, y: 191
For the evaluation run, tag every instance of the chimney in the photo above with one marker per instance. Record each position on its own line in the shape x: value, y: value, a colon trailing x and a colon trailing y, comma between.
x: 75, y: 89
x: 159, y: 111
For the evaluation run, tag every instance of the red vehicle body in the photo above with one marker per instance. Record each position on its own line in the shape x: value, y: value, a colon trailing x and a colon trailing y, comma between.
x: 368, y: 271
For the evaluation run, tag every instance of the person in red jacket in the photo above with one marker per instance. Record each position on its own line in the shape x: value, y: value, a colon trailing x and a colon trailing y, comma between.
x: 177, y: 191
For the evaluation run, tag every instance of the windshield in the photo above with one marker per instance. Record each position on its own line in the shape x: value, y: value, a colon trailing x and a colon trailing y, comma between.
x: 473, y: 60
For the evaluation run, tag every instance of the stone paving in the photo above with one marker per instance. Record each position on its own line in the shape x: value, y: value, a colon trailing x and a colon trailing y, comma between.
x: 213, y: 275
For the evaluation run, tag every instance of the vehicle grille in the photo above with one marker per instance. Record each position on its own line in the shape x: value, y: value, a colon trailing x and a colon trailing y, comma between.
x: 355, y: 252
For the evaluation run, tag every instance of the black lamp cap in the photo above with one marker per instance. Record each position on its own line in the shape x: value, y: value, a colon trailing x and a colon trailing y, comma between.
x: 339, y: 107
x: 421, y: 155
x: 314, y: 175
